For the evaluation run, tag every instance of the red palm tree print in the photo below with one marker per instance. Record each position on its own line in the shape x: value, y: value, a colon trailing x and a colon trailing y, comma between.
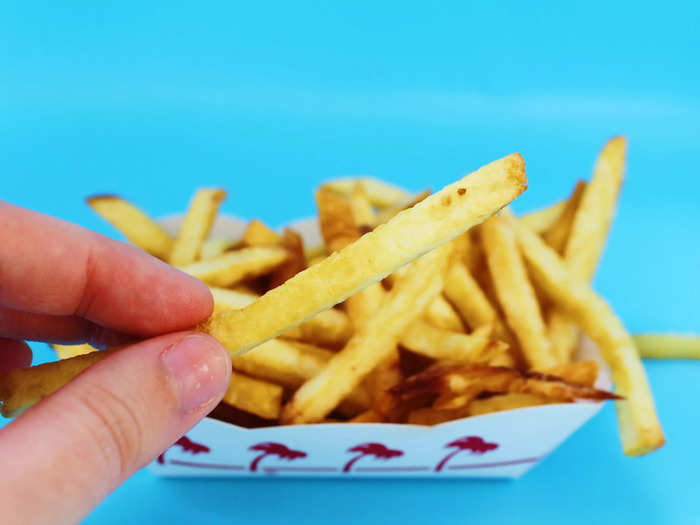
x: 474, y: 444
x: 377, y: 450
x: 187, y: 446
x: 270, y: 448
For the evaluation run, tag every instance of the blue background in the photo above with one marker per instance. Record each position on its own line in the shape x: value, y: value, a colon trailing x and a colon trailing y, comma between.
x: 152, y: 100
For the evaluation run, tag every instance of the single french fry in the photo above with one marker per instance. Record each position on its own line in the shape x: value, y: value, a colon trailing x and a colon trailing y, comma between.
x: 639, y: 425
x: 68, y: 351
x: 196, y: 226
x: 499, y: 403
x: 542, y: 220
x: 215, y: 247
x: 378, y: 192
x: 258, y: 234
x: 254, y: 395
x: 22, y: 387
x: 443, y: 345
x: 368, y: 416
x: 589, y: 231
x: 136, y: 226
x: 361, y: 207
x: 233, y: 267
x: 374, y: 342
x: 295, y: 262
x: 441, y: 314
x: 433, y: 416
x: 515, y: 293
x: 668, y: 346
x: 558, y: 234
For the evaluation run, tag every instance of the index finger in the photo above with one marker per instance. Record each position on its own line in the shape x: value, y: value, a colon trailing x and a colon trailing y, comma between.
x: 49, y: 266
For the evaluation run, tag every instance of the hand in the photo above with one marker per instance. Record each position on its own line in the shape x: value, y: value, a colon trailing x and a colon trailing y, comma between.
x: 62, y: 283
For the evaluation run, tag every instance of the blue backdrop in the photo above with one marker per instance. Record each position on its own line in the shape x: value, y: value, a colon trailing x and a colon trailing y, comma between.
x: 152, y: 100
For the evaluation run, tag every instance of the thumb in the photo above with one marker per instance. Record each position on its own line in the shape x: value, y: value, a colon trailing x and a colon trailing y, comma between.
x: 64, y: 455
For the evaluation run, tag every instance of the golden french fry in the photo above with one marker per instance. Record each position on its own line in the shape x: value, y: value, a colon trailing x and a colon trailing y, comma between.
x: 443, y: 345
x: 233, y: 267
x: 68, y: 351
x: 136, y: 226
x: 378, y: 192
x: 589, y: 231
x: 254, y: 395
x: 558, y: 234
x: 258, y: 234
x: 361, y: 207
x: 196, y: 226
x: 434, y: 416
x: 639, y: 425
x: 515, y: 293
x: 380, y: 382
x: 21, y: 388
x: 368, y: 416
x: 499, y: 403
x: 335, y: 220
x: 441, y: 314
x: 374, y: 342
x: 542, y: 220
x: 669, y: 346
x: 295, y: 262
x: 579, y: 373
x: 228, y: 299
x: 215, y: 247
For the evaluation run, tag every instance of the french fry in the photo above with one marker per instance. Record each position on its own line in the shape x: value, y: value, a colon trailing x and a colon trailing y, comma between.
x: 378, y: 192
x: 233, y: 267
x: 136, y: 226
x: 443, y: 345
x: 441, y: 314
x: 434, y: 416
x: 315, y: 252
x: 254, y: 395
x: 227, y: 299
x: 372, y: 343
x: 361, y: 207
x: 295, y: 262
x: 368, y: 416
x: 639, y: 425
x: 542, y: 220
x: 21, y: 388
x: 515, y: 293
x: 196, y: 226
x: 558, y: 234
x: 68, y: 351
x: 499, y: 403
x: 215, y: 247
x: 589, y: 230
x: 386, y: 214
x: 669, y: 346
x: 258, y: 234
x: 335, y: 220
x: 579, y: 373
x: 380, y: 382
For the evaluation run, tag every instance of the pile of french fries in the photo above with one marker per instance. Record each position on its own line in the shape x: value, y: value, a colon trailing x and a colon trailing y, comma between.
x: 415, y: 309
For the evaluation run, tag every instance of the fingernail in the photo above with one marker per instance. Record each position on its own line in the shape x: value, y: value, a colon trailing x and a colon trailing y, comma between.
x: 199, y: 368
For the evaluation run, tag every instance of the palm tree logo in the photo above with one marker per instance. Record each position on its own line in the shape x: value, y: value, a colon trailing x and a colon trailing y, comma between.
x: 187, y: 446
x: 377, y: 450
x: 474, y: 444
x: 270, y: 448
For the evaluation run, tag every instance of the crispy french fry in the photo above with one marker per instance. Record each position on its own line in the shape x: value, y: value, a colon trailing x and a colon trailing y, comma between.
x: 373, y: 343
x: 254, y: 395
x: 68, y: 351
x: 668, y: 346
x: 361, y: 207
x: 499, y: 403
x: 434, y: 416
x: 441, y: 314
x: 443, y: 345
x: 136, y: 226
x: 295, y: 262
x: 21, y: 388
x: 196, y: 226
x: 233, y: 267
x: 639, y: 425
x: 558, y: 234
x: 542, y: 220
x: 378, y: 192
x: 589, y: 230
x: 515, y: 293
x: 215, y: 247
x: 258, y: 234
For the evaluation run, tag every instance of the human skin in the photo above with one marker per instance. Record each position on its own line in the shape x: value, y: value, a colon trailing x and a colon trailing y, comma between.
x: 61, y: 283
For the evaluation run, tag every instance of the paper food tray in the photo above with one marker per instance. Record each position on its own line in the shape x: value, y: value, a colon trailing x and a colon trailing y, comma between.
x: 499, y: 445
